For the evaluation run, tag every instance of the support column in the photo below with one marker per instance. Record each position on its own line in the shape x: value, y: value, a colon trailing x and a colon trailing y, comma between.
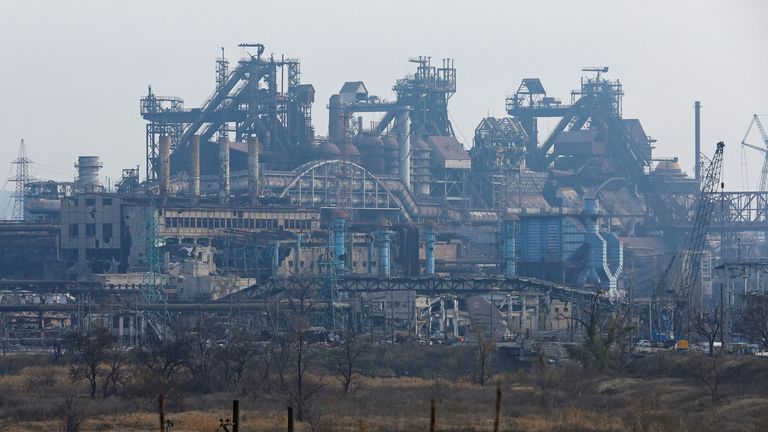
x: 456, y: 317
x: 511, y: 228
x: 430, y: 236
x: 195, y: 167
x: 253, y: 168
x: 165, y: 165
x: 383, y: 238
x: 339, y: 242
x: 224, y: 185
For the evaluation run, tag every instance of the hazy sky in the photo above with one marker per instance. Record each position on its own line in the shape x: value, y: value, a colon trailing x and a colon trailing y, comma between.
x: 73, y: 71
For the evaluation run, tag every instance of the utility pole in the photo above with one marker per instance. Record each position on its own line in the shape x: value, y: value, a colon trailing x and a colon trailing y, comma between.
x: 21, y: 179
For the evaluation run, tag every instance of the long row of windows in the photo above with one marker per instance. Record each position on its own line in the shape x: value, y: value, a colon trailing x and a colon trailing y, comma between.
x: 246, y: 223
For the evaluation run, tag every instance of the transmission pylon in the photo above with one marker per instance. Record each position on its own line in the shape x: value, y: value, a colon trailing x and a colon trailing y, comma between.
x: 21, y: 179
x: 335, y: 317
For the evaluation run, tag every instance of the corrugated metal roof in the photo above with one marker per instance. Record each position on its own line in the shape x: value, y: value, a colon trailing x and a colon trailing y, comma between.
x: 620, y: 202
x: 448, y: 148
x: 528, y: 182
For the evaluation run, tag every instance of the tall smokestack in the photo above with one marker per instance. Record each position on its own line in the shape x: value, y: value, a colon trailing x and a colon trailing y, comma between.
x: 403, y: 127
x: 195, y: 168
x: 697, y: 139
x: 253, y: 168
x: 223, y: 170
x: 164, y: 172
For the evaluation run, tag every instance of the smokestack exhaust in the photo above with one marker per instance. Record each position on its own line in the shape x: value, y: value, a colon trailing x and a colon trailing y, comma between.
x: 164, y: 172
x: 195, y: 167
x: 224, y: 182
x: 697, y: 139
x: 253, y: 168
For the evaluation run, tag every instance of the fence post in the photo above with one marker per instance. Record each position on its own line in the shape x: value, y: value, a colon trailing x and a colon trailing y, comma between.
x: 290, y: 419
x: 498, y: 407
x: 235, y: 415
x: 432, y: 416
x: 161, y: 402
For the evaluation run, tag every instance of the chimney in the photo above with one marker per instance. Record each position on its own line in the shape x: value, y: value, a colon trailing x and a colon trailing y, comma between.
x: 195, y: 167
x: 253, y: 168
x: 223, y: 170
x: 164, y: 171
x: 697, y: 139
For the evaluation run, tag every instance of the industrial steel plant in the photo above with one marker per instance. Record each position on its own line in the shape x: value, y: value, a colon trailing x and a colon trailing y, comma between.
x: 397, y: 227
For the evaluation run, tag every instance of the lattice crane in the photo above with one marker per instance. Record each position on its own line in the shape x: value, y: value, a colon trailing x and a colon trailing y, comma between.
x: 764, y: 171
x: 697, y: 240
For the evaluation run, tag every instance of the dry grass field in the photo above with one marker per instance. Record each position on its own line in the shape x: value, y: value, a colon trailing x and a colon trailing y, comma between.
x: 664, y: 392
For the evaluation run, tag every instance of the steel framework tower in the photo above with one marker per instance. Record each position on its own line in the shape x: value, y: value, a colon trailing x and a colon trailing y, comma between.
x: 21, y: 179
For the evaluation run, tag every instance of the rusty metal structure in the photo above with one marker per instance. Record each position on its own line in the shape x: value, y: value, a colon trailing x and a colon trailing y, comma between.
x: 242, y: 193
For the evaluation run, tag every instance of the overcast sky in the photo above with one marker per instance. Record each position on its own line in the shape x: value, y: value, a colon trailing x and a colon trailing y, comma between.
x: 73, y: 71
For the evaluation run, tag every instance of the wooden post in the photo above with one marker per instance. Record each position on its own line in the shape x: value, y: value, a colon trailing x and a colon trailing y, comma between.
x: 235, y: 415
x: 161, y: 402
x: 290, y: 419
x: 498, y: 408
x: 432, y: 416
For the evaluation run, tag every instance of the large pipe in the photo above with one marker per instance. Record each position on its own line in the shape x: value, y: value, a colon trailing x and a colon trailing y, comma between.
x: 164, y: 172
x: 195, y: 166
x: 253, y: 168
x: 697, y: 139
x: 430, y: 236
x: 224, y: 183
x: 402, y: 125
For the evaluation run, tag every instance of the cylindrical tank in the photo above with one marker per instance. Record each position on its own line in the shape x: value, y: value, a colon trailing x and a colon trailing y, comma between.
x: 391, y: 164
x: 224, y: 181
x: 372, y: 151
x: 336, y: 119
x: 195, y: 166
x: 88, y: 168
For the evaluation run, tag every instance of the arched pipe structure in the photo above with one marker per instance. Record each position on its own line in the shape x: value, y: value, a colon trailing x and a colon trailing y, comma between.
x: 340, y: 183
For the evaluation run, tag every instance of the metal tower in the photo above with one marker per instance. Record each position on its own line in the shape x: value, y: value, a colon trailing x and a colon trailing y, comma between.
x: 330, y: 284
x: 21, y: 179
x: 152, y: 286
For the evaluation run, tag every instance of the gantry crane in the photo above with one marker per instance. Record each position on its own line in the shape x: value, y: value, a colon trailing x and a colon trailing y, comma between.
x: 697, y: 239
x: 764, y: 172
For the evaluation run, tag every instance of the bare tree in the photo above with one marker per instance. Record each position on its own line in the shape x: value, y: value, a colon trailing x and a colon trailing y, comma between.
x: 707, y: 325
x: 238, y: 352
x: 201, y: 362
x: 754, y: 322
x: 72, y: 416
x: 708, y: 371
x: 114, y: 360
x: 301, y: 297
x: 164, y: 357
x: 480, y: 362
x: 90, y: 350
x: 347, y: 356
x: 606, y: 334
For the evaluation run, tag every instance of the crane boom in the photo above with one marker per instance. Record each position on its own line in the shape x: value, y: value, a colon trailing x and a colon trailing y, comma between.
x: 697, y: 241
x: 764, y: 171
